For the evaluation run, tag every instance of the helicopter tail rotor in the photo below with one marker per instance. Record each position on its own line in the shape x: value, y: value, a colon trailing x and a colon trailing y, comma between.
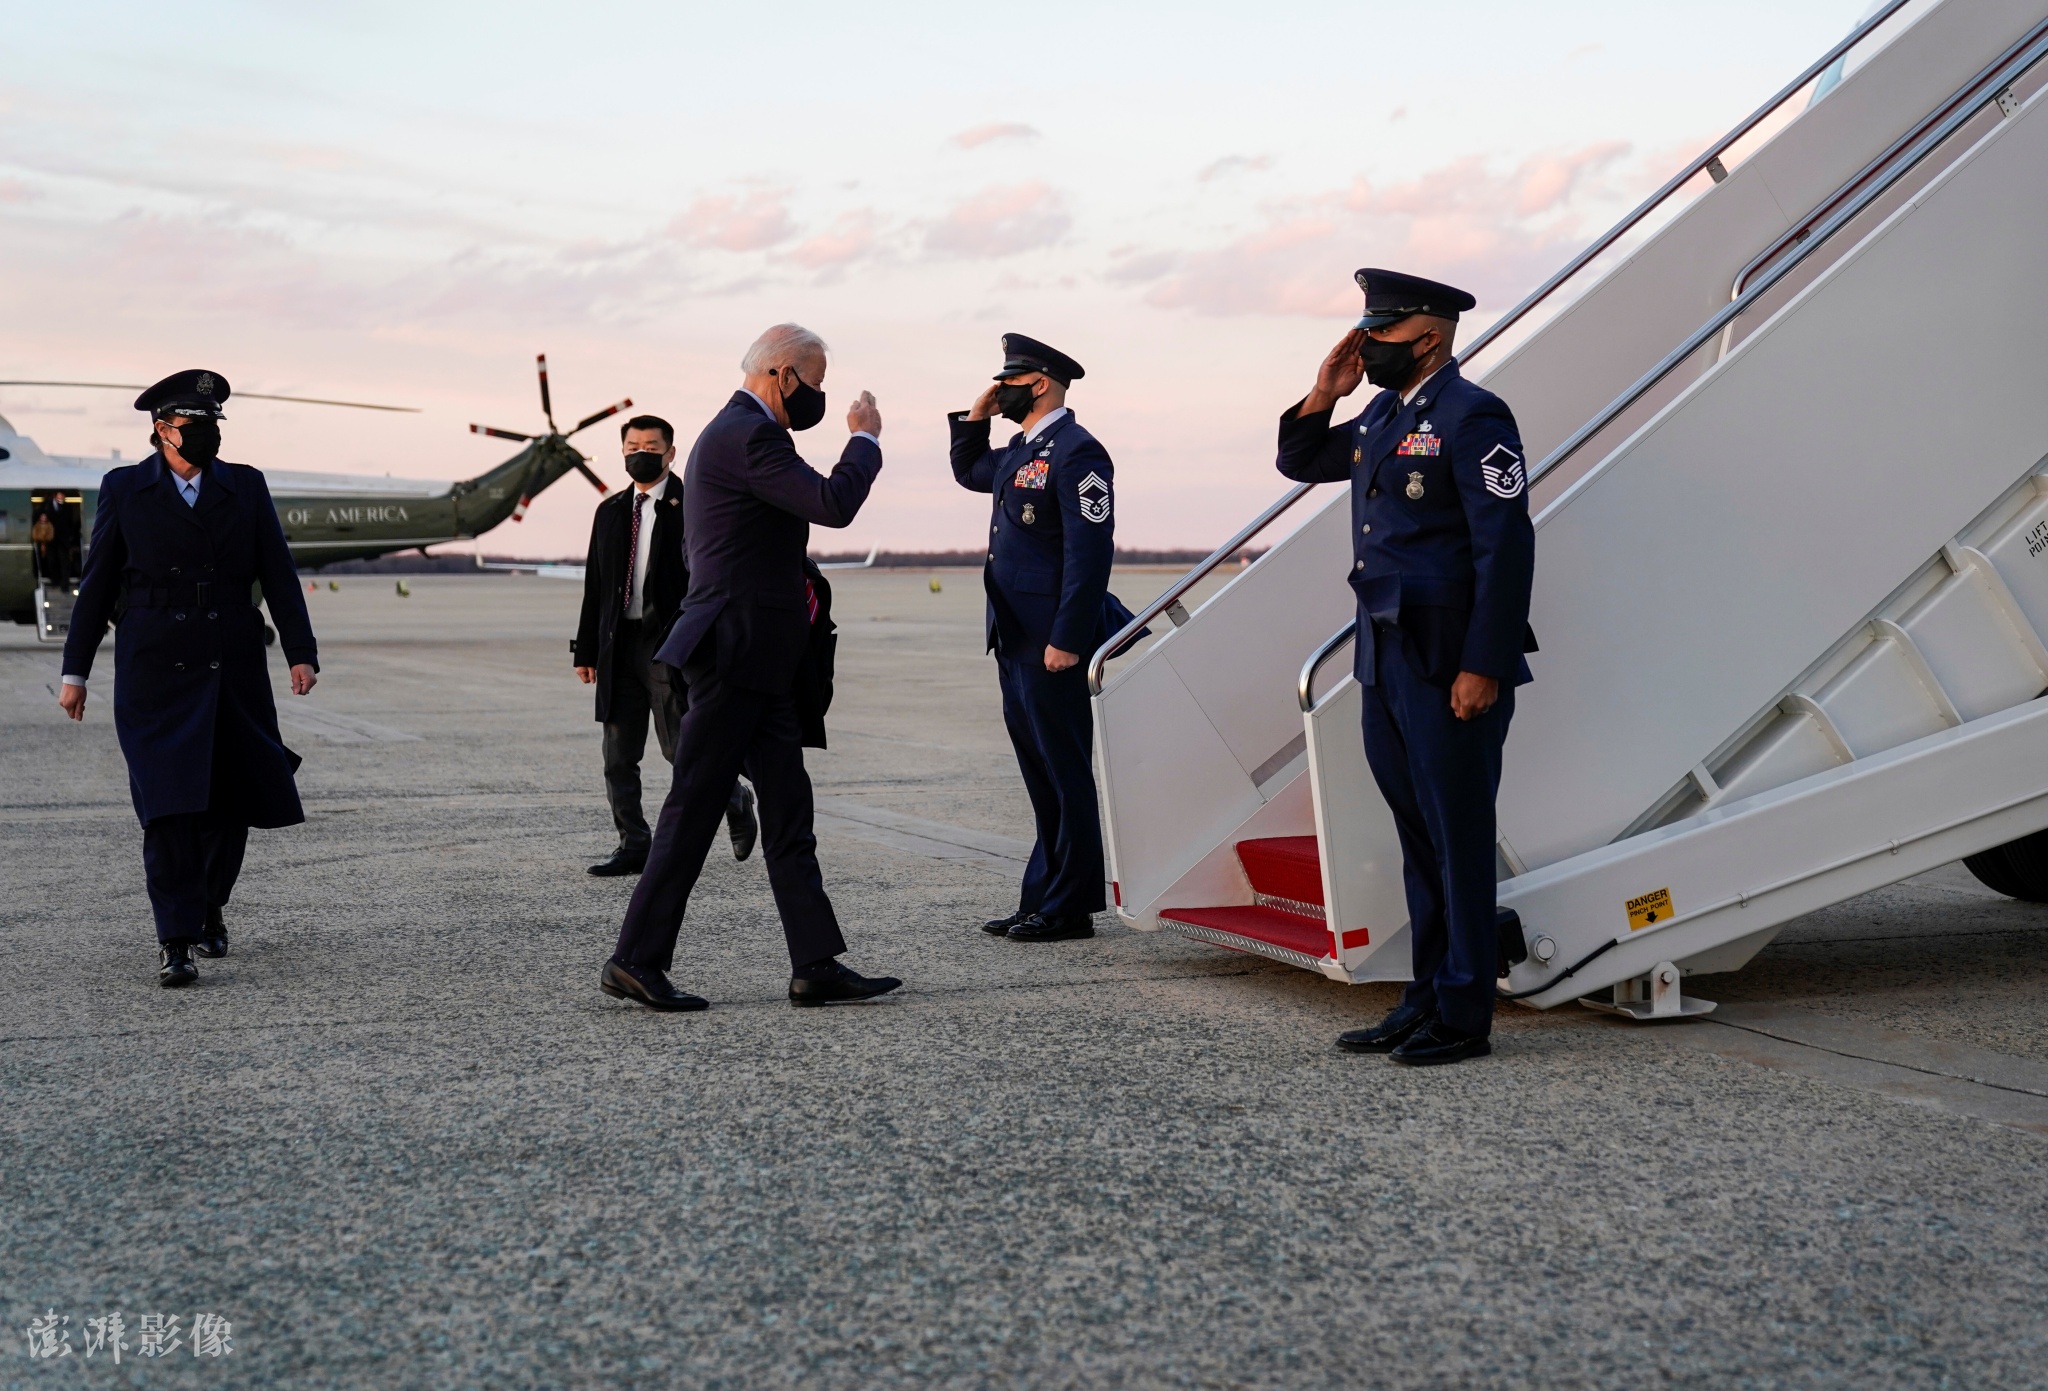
x: 497, y: 434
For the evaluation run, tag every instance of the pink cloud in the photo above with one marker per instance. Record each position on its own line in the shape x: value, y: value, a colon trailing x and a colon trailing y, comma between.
x: 751, y: 222
x: 1001, y: 221
x: 995, y: 130
x: 1492, y: 232
x: 1231, y: 164
x: 850, y: 237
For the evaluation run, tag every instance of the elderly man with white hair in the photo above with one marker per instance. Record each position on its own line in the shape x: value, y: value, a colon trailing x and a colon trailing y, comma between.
x: 740, y: 641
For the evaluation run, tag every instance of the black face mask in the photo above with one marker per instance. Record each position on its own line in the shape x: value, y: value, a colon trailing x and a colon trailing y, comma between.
x: 1388, y: 365
x: 1014, y: 401
x: 644, y: 466
x: 804, y: 406
x: 200, y: 442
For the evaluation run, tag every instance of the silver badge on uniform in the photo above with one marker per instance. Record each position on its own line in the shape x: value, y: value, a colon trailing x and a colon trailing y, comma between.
x: 1415, y: 487
x: 1030, y: 514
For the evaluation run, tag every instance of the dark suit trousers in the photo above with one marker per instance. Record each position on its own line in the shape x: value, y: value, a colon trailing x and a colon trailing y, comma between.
x: 640, y: 692
x: 1439, y: 775
x: 1053, y: 730
x: 725, y: 730
x: 190, y: 863
x: 643, y: 691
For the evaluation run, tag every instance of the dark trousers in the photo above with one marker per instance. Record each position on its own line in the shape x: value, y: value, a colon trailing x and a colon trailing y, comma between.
x: 1053, y: 731
x: 727, y: 729
x: 191, y: 862
x: 1439, y: 775
x: 641, y: 693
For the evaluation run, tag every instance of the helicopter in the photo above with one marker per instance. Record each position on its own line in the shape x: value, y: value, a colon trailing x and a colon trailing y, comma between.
x: 47, y: 504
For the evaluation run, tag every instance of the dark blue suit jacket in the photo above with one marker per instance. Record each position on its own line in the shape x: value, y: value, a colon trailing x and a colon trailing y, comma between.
x: 748, y: 503
x: 1441, y: 539
x: 190, y: 668
x: 1052, y: 538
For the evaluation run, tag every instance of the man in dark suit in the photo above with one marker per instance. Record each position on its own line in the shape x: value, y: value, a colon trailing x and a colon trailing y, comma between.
x: 740, y: 642
x: 1443, y: 556
x: 1051, y: 543
x: 634, y: 580
x: 179, y: 543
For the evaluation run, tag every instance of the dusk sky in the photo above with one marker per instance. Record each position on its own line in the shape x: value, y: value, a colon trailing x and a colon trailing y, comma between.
x: 405, y: 202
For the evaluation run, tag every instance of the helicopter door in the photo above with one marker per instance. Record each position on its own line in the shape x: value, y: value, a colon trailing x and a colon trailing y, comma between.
x: 57, y: 538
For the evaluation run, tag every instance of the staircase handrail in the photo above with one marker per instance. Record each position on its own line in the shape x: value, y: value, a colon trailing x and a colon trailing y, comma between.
x: 1964, y: 94
x: 1709, y: 161
x: 1993, y: 79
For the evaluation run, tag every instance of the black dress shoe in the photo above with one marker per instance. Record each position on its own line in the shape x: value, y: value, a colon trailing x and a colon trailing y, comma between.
x: 1387, y: 1035
x: 648, y: 987
x: 213, y: 938
x: 834, y: 984
x: 1053, y: 927
x: 174, y: 966
x: 1437, y: 1043
x: 621, y: 862
x: 741, y: 823
x: 1000, y: 927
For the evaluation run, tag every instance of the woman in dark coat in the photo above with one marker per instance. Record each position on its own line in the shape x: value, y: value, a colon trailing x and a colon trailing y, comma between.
x: 180, y: 543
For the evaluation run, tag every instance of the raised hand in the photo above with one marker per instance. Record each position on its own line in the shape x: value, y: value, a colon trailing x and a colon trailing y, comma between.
x: 1339, y: 375
x: 985, y: 404
x: 864, y: 414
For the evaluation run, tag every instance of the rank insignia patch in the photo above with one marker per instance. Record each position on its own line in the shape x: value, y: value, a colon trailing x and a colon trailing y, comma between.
x: 1032, y: 475
x: 1502, y: 472
x: 1421, y: 445
x: 1094, y: 495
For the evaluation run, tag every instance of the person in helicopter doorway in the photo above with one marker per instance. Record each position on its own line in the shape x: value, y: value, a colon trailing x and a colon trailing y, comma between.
x: 180, y: 544
x: 1052, y: 539
x: 1443, y: 556
x: 634, y: 580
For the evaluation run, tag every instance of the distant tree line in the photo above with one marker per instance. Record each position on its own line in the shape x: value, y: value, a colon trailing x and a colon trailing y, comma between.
x: 461, y: 562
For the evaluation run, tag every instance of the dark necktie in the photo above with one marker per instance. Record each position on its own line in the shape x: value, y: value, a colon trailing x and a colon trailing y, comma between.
x: 633, y: 548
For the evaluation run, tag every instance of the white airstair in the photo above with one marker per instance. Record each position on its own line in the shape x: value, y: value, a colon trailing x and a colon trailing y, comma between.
x: 1791, y: 566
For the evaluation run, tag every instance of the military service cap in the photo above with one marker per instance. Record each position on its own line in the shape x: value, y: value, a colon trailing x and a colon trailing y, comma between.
x: 1391, y: 297
x: 195, y: 393
x: 1021, y: 354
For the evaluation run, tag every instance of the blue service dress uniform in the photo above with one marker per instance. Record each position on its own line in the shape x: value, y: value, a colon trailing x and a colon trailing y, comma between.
x: 1443, y: 555
x: 192, y: 699
x: 1051, y: 542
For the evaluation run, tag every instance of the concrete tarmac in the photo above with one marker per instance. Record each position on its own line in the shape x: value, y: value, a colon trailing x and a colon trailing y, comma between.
x: 398, y: 1138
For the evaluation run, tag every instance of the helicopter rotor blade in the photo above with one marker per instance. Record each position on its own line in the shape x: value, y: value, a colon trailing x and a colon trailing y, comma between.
x: 244, y: 395
x: 595, y: 481
x: 498, y: 434
x: 589, y: 420
x: 547, y: 405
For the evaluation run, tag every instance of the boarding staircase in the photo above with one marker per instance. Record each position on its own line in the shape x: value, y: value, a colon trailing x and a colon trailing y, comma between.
x: 1791, y: 577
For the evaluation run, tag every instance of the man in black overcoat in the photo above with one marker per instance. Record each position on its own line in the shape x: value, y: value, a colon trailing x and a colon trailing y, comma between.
x: 634, y: 580
x: 744, y: 643
x: 180, y: 543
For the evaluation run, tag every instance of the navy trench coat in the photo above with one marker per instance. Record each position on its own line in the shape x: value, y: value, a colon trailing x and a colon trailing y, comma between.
x: 192, y: 702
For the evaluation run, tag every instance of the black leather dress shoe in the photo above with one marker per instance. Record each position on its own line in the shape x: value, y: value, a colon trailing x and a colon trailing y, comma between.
x: 1387, y: 1035
x: 838, y: 985
x: 174, y: 966
x: 1438, y: 1043
x: 648, y: 987
x: 621, y: 862
x: 741, y: 823
x: 213, y: 938
x: 1000, y: 927
x: 1053, y: 927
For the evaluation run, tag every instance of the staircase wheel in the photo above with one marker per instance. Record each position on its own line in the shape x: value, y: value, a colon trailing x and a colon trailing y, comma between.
x: 2017, y: 869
